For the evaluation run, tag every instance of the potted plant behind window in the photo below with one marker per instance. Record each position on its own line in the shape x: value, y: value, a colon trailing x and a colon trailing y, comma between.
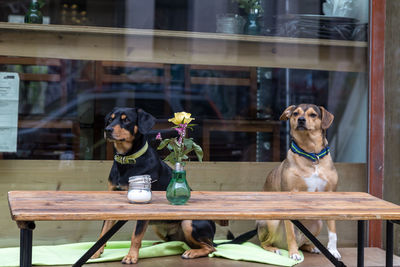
x: 230, y: 23
x: 253, y: 9
x: 178, y: 190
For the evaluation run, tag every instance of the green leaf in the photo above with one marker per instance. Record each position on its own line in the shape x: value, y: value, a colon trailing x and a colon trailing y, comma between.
x: 188, y: 142
x: 198, y: 151
x: 163, y: 144
x: 41, y: 3
x: 175, y: 145
x: 170, y: 158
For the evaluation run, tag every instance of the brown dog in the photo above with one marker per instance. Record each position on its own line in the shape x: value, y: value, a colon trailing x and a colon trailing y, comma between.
x: 307, y: 167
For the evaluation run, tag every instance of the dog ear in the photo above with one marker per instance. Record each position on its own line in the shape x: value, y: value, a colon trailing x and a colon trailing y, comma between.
x: 145, y: 121
x: 287, y: 113
x: 326, y: 118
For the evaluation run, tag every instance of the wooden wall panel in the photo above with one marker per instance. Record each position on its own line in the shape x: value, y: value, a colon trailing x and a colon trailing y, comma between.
x: 392, y: 111
x: 92, y: 175
x: 376, y: 110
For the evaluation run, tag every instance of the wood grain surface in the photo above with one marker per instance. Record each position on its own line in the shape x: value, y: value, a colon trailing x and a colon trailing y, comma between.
x: 92, y: 175
x: 104, y: 205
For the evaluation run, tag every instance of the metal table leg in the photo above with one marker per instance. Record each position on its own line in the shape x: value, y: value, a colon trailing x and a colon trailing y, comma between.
x: 389, y: 244
x: 99, y: 243
x: 360, y: 244
x: 318, y: 244
x: 25, y: 249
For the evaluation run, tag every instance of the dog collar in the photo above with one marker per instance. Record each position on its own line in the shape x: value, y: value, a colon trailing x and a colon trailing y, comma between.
x: 131, y: 159
x: 311, y: 156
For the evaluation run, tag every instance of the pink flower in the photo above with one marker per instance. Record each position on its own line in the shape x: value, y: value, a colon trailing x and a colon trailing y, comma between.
x: 158, y: 137
x: 181, y: 131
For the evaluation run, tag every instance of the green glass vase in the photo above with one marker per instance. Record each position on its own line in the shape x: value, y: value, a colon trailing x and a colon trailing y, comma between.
x: 178, y: 190
x: 34, y: 15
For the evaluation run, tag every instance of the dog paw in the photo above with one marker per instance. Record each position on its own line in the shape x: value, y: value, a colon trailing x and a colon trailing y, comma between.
x: 272, y: 249
x: 196, y: 253
x: 315, y: 250
x: 97, y: 254
x: 189, y: 254
x: 295, y: 256
x: 310, y: 249
x: 335, y: 253
x: 129, y: 259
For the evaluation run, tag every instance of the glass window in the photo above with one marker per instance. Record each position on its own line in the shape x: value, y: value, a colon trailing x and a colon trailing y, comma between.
x: 234, y: 66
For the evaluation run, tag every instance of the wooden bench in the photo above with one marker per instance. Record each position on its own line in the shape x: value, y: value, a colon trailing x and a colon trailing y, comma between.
x: 29, y: 206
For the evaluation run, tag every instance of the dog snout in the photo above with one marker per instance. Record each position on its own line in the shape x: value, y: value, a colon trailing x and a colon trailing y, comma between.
x: 301, y: 120
x: 108, y: 131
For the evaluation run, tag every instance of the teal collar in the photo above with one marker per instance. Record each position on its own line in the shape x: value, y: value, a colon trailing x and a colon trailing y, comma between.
x: 311, y: 156
x: 131, y: 159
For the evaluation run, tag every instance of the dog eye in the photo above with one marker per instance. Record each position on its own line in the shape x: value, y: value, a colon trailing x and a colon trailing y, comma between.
x: 110, y: 120
x: 126, y: 120
x: 313, y: 115
x: 295, y: 114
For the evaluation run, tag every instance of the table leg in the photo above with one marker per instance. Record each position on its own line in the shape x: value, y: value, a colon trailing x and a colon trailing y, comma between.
x: 389, y: 244
x: 25, y: 249
x: 318, y: 244
x: 99, y: 243
x: 360, y: 243
x: 25, y: 257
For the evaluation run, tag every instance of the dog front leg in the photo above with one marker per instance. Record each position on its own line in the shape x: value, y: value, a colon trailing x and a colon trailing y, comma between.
x: 268, y: 232
x: 291, y: 241
x: 107, y: 225
x: 136, y: 243
x: 204, y: 245
x: 332, y: 243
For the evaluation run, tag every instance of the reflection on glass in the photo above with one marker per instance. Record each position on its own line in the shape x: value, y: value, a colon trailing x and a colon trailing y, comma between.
x: 235, y: 84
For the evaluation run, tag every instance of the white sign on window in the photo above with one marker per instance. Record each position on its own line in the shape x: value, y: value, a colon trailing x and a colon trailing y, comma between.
x: 9, y: 95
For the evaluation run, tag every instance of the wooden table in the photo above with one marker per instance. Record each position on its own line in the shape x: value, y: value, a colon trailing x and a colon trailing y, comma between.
x: 29, y: 206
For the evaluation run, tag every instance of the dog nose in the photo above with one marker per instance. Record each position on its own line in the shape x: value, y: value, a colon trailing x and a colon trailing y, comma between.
x: 301, y: 120
x: 108, y: 130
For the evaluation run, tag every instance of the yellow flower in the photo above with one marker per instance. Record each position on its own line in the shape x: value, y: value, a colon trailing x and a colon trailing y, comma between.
x: 181, y: 117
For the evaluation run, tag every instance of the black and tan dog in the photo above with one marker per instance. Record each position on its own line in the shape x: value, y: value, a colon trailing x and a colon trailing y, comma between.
x: 127, y: 129
x: 307, y: 167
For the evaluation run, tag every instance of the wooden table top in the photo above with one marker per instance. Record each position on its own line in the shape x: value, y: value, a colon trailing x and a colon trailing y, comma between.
x: 106, y: 205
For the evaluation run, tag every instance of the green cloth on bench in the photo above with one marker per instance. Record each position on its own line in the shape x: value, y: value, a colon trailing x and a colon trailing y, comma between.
x: 251, y: 252
x: 115, y: 250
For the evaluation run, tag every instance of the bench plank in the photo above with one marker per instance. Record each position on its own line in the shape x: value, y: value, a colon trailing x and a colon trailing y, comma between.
x: 105, y: 205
